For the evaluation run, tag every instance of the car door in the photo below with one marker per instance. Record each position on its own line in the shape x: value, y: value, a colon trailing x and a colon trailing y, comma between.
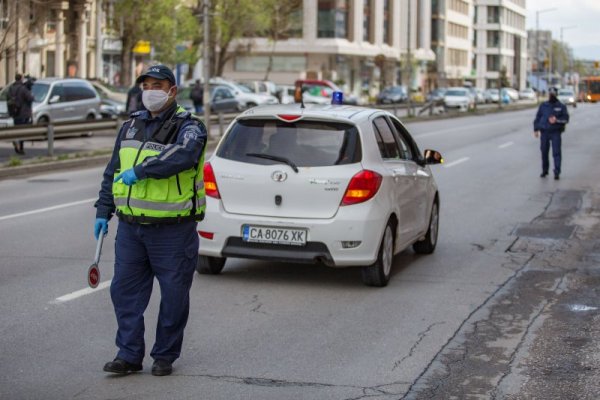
x: 223, y: 100
x: 57, y: 103
x: 422, y: 176
x: 400, y: 174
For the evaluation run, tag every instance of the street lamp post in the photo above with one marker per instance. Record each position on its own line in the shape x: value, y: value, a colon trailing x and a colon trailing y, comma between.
x: 562, y: 43
x: 537, y: 45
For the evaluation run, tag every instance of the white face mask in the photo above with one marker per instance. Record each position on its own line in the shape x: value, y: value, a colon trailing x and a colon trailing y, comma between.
x: 154, y: 100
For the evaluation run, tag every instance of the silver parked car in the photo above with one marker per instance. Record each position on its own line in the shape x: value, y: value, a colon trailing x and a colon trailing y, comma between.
x: 59, y: 100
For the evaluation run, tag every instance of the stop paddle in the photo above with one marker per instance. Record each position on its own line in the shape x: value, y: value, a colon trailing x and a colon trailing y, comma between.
x: 93, y: 276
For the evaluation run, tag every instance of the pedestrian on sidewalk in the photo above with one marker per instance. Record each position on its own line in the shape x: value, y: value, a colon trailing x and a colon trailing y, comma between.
x: 19, y: 107
x: 550, y: 121
x: 154, y: 184
x: 197, y: 96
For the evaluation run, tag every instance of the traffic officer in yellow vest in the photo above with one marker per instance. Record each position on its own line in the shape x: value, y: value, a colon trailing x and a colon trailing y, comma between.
x: 154, y: 184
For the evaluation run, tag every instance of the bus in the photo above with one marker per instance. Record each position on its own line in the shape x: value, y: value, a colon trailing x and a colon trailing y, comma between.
x: 589, y: 89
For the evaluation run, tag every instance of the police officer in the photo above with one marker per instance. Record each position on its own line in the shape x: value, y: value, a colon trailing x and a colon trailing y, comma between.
x: 154, y: 183
x: 551, y: 118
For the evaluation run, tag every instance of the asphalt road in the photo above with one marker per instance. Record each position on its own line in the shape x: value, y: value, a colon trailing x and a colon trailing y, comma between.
x: 489, y: 300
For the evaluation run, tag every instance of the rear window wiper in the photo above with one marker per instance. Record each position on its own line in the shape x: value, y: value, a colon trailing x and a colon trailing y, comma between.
x: 275, y: 158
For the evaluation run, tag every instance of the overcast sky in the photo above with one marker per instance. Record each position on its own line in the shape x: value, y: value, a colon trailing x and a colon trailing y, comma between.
x: 581, y: 17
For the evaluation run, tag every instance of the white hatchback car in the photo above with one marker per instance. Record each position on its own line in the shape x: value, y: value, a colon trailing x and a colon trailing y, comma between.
x: 459, y: 98
x: 339, y: 185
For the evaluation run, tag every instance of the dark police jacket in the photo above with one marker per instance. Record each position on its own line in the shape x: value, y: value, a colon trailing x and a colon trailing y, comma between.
x: 547, y: 109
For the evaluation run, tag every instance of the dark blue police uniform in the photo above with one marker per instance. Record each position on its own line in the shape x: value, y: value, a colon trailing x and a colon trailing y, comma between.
x: 144, y: 251
x: 551, y: 133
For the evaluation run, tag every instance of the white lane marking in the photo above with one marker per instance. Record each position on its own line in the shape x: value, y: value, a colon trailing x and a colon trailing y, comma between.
x: 82, y: 292
x: 459, y: 161
x: 41, y: 210
x: 505, y: 145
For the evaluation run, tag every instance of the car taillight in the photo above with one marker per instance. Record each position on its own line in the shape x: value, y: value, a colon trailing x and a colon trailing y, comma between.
x: 363, y: 186
x: 210, y: 182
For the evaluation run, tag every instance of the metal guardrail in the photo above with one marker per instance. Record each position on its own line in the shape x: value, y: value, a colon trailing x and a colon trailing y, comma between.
x: 52, y: 131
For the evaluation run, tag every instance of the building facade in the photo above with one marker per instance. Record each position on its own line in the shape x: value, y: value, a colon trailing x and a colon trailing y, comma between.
x: 360, y: 44
x: 52, y: 38
x: 452, y: 41
x: 500, y: 43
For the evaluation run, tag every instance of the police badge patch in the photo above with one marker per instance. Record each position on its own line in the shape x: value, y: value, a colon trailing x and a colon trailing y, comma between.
x: 131, y: 133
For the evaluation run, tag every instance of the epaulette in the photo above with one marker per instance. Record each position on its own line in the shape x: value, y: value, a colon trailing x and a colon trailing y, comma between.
x: 136, y: 113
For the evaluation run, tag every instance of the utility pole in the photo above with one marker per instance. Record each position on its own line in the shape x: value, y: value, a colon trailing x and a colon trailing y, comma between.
x: 408, y: 62
x: 562, y: 43
x: 537, y: 46
x: 206, y: 65
x: 17, y: 37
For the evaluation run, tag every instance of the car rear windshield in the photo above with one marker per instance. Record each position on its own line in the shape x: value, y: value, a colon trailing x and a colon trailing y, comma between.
x: 304, y: 143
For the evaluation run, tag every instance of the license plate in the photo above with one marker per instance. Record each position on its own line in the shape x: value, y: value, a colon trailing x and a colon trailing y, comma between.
x: 270, y: 234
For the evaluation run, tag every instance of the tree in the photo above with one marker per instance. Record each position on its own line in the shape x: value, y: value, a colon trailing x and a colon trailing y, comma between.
x: 504, y: 78
x: 231, y: 19
x: 278, y: 20
x: 164, y: 23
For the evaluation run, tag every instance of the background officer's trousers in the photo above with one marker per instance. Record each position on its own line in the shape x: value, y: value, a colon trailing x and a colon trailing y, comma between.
x: 142, y: 252
x: 548, y: 138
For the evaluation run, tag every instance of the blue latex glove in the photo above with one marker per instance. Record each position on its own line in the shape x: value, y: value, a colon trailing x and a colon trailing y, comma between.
x: 101, y: 225
x: 128, y: 177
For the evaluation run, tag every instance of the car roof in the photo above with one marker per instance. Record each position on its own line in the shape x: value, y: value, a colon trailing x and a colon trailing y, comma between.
x: 53, y: 80
x: 343, y: 113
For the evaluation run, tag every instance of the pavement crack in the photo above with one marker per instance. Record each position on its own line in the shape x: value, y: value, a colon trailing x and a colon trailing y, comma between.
x: 420, y: 338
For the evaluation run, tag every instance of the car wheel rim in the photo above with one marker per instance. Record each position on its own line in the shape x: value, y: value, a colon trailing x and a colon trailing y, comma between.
x: 388, y: 251
x: 433, y: 226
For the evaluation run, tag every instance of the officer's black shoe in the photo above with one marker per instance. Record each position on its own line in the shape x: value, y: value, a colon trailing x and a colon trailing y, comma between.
x: 556, y: 177
x: 543, y: 175
x: 118, y: 366
x: 162, y: 368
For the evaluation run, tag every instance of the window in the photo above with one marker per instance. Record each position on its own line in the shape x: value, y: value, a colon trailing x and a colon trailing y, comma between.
x: 493, y: 62
x: 408, y: 148
x: 459, y: 31
x: 493, y: 14
x: 58, y: 90
x: 305, y: 143
x: 367, y: 21
x: 332, y: 19
x: 74, y: 92
x: 458, y: 57
x: 460, y: 6
x: 386, y: 22
x: 4, y: 14
x: 280, y: 63
x: 388, y: 148
x: 493, y: 39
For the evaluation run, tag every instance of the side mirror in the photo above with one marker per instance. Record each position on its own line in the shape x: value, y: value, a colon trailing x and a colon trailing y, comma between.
x: 433, y: 157
x: 54, y: 99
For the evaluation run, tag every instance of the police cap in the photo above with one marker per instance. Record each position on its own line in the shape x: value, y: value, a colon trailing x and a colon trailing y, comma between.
x: 553, y: 91
x: 159, y: 72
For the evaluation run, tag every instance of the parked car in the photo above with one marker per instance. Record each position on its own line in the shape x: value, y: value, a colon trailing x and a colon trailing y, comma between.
x: 5, y: 119
x: 221, y: 99
x: 326, y: 88
x: 59, y: 100
x: 527, y: 94
x: 310, y: 95
x: 567, y: 97
x: 285, y: 94
x: 477, y: 95
x: 491, y: 95
x: 262, y: 87
x: 110, y: 106
x: 342, y: 186
x: 245, y: 96
x: 436, y: 94
x: 392, y: 94
x: 458, y: 98
x: 108, y: 92
x: 511, y: 93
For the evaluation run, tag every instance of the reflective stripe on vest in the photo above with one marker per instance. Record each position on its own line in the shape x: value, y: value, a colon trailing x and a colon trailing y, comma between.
x: 169, y: 198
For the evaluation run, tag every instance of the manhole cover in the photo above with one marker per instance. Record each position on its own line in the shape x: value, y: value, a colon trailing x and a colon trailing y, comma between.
x: 545, y: 231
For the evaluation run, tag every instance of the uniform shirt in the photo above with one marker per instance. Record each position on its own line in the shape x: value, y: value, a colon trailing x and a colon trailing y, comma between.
x: 180, y: 156
x: 547, y: 109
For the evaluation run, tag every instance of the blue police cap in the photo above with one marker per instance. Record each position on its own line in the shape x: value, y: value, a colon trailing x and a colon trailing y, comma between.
x: 159, y: 72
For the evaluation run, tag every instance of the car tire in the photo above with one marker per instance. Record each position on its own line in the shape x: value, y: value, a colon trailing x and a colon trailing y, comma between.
x: 210, y: 265
x: 379, y: 273
x: 427, y: 245
x: 250, y: 105
x: 43, y: 121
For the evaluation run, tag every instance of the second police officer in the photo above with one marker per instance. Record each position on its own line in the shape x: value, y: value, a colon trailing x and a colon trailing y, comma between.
x: 550, y: 120
x: 154, y: 184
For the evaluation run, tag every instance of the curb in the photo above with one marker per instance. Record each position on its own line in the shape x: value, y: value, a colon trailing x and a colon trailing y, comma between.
x: 21, y: 170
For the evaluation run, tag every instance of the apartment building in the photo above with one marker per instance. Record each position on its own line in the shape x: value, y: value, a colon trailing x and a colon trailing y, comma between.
x: 500, y: 43
x: 451, y: 40
x: 61, y: 38
x: 361, y: 44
